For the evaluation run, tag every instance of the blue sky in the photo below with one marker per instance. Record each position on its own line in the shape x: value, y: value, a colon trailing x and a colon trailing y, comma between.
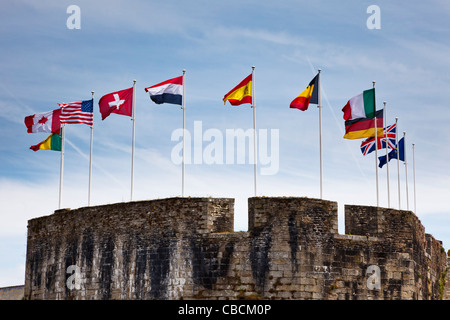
x: 44, y: 63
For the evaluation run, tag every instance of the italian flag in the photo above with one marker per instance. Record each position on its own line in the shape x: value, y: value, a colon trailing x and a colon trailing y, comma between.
x: 53, y: 142
x: 360, y: 106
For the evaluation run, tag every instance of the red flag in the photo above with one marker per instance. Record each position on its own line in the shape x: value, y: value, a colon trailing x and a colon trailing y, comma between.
x: 120, y: 102
x: 44, y: 122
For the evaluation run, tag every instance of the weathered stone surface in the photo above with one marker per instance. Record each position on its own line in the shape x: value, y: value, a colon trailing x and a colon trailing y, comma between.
x: 185, y: 248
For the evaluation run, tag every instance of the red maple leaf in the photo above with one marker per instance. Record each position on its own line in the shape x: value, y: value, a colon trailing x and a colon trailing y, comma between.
x: 43, y: 120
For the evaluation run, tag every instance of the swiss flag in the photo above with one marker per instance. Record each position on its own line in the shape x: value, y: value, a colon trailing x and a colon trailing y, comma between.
x: 120, y: 102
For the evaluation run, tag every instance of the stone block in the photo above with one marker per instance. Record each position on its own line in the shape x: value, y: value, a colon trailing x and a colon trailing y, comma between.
x: 185, y: 248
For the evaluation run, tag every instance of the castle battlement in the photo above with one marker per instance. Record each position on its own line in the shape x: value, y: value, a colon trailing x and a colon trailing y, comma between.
x: 186, y: 248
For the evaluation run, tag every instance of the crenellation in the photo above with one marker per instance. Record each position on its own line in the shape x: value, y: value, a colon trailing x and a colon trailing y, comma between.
x: 186, y: 248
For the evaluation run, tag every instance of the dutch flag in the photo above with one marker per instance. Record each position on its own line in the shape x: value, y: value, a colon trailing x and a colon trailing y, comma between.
x: 169, y: 91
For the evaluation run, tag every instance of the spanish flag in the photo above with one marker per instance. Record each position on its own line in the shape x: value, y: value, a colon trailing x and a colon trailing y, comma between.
x: 309, y: 95
x: 240, y: 94
x: 364, y: 127
x: 53, y: 142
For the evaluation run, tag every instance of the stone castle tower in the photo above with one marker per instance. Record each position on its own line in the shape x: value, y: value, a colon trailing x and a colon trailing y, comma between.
x: 185, y: 248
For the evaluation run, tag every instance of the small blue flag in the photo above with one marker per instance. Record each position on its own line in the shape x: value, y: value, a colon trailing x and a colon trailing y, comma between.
x: 393, y: 154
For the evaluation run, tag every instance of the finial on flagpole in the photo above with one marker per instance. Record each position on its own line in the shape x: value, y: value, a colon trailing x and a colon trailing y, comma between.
x: 253, y: 67
x: 319, y: 70
x: 184, y: 71
x: 373, y: 83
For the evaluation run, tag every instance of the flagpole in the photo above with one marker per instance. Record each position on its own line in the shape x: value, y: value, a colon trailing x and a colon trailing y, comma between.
x: 406, y: 170
x: 254, y: 128
x: 62, y: 164
x: 132, y: 142
x: 320, y: 133
x: 90, y: 158
x: 376, y: 147
x: 387, y: 154
x: 414, y: 178
x: 398, y: 163
x: 184, y: 109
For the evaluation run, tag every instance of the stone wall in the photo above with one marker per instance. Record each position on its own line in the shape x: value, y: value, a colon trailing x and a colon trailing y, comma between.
x: 185, y: 248
x: 11, y: 293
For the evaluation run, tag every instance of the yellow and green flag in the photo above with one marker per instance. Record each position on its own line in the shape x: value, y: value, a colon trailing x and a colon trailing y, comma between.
x: 53, y: 142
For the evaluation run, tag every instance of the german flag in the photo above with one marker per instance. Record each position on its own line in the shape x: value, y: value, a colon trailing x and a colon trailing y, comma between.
x: 240, y: 94
x: 364, y: 127
x: 309, y: 95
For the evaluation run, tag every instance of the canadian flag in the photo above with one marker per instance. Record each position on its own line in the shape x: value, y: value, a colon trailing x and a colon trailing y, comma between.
x: 44, y: 122
x: 120, y: 102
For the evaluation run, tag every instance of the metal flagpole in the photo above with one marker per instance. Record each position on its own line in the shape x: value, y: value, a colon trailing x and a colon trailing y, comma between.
x: 90, y: 158
x: 398, y: 163
x: 414, y: 178
x: 254, y: 128
x: 132, y: 143
x: 376, y: 140
x: 406, y: 170
x: 320, y: 133
x: 62, y: 165
x: 387, y: 154
x: 184, y: 108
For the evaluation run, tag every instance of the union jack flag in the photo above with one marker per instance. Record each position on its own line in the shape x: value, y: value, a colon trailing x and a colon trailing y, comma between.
x: 389, y: 138
x: 77, y: 112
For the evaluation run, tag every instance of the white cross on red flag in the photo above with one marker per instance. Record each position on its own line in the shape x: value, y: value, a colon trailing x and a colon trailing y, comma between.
x: 120, y: 102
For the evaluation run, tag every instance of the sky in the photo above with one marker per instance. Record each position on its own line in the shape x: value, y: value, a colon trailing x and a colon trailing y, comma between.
x: 46, y: 59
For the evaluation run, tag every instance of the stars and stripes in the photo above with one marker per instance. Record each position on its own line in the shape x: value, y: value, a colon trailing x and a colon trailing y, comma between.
x: 77, y: 112
x: 389, y: 137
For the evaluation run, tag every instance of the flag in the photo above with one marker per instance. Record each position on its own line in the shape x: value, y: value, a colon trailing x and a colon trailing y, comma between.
x: 53, y: 142
x: 78, y: 112
x: 389, y: 137
x: 240, y: 94
x: 169, y: 91
x: 393, y: 154
x: 120, y: 102
x: 364, y: 127
x: 309, y: 95
x: 44, y: 122
x: 360, y: 106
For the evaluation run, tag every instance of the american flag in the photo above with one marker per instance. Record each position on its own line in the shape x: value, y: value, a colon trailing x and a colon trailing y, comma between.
x: 77, y: 112
x: 389, y: 137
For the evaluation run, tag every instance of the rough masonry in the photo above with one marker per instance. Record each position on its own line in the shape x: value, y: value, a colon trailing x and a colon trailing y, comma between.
x: 185, y: 248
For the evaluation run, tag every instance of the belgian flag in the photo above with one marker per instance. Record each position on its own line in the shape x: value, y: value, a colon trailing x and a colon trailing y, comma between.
x: 309, y: 95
